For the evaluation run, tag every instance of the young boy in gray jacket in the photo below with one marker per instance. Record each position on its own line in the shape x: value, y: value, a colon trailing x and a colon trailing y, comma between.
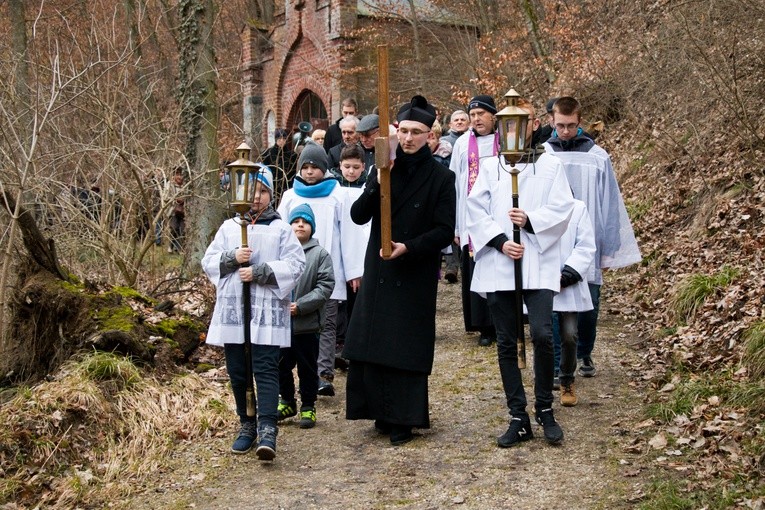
x: 307, y: 310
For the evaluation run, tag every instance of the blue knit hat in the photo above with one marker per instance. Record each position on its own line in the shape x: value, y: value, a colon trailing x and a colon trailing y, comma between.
x: 266, y: 178
x: 304, y: 211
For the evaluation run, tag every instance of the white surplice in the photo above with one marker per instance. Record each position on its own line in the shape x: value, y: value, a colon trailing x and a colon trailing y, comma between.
x: 545, y: 196
x: 577, y: 249
x: 459, y: 165
x: 274, y: 244
x: 593, y: 181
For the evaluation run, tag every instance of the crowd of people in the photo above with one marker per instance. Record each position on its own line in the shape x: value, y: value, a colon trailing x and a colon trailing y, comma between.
x: 325, y: 298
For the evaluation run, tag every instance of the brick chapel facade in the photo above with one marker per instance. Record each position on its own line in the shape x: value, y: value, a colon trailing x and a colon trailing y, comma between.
x: 300, y: 67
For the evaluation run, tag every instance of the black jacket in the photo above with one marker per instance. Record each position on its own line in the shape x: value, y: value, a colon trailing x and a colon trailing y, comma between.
x: 394, y: 318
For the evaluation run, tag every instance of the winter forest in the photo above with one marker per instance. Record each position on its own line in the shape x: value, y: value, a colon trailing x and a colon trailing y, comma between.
x: 109, y: 397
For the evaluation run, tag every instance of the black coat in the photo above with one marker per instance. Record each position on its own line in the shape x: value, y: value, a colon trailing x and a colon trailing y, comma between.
x: 394, y: 318
x: 333, y: 136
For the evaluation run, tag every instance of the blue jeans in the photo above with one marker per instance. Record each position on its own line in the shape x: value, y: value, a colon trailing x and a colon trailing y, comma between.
x: 539, y: 305
x: 588, y: 322
x: 565, y: 332
x: 265, y: 368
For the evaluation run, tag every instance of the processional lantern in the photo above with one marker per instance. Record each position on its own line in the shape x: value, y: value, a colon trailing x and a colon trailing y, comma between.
x: 512, y: 121
x: 242, y: 176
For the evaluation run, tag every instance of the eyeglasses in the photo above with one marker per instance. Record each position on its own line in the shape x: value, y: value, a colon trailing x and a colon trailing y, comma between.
x: 413, y: 132
x: 566, y: 127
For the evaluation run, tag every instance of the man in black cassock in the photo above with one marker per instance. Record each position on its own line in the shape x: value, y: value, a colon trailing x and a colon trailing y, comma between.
x: 391, y: 336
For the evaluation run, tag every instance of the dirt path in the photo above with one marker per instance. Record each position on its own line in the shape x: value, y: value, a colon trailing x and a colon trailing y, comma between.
x: 455, y: 464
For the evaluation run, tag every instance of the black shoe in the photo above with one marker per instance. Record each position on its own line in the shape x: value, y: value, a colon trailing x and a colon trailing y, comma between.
x: 383, y: 427
x: 400, y: 434
x: 556, y: 382
x: 586, y: 367
x: 484, y: 341
x: 451, y: 276
x: 553, y: 432
x: 518, y: 432
x: 326, y: 388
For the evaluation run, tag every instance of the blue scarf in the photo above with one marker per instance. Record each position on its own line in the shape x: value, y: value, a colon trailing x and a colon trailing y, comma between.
x: 321, y: 189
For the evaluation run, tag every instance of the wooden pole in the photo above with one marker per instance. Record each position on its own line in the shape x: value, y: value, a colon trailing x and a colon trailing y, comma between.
x: 382, y: 151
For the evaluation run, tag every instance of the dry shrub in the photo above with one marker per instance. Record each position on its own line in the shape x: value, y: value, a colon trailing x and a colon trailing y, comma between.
x: 87, y: 435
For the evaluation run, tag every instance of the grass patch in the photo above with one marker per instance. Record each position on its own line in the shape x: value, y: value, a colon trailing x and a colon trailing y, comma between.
x: 754, y: 351
x: 691, y: 293
x: 636, y: 210
x: 107, y: 366
x: 696, y: 390
x: 669, y: 494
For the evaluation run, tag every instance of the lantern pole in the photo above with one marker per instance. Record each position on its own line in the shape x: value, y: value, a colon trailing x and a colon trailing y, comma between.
x: 512, y: 137
x: 243, y: 175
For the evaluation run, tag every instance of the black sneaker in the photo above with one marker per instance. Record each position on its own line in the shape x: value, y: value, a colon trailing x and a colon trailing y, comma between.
x: 286, y: 410
x: 518, y: 432
x: 266, y: 449
x: 247, y: 435
x: 307, y: 417
x: 552, y: 431
x: 586, y: 367
x: 326, y: 388
x: 556, y: 382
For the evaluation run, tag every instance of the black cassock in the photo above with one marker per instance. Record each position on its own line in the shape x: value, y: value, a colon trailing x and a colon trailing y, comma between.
x: 391, y: 336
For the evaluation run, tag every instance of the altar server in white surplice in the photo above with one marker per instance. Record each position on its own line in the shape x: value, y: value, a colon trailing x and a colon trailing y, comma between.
x: 545, y: 208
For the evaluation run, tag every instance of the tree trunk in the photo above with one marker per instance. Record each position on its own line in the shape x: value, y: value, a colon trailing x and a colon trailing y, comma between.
x: 419, y: 85
x: 539, y: 48
x: 200, y: 112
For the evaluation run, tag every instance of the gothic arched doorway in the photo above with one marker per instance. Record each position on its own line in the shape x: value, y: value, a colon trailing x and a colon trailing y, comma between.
x: 308, y: 107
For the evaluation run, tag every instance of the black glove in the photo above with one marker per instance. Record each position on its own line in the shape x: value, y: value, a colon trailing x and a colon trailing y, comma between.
x: 372, y: 186
x: 568, y: 277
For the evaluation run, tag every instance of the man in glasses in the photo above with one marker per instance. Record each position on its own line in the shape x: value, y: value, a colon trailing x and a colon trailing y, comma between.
x: 593, y: 181
x: 368, y: 130
x: 391, y: 336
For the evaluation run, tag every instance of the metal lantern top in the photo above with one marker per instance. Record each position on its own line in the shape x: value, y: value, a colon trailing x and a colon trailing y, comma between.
x: 512, y: 122
x: 242, y: 174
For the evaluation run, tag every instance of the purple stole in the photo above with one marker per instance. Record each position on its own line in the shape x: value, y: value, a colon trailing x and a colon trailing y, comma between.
x: 474, y: 166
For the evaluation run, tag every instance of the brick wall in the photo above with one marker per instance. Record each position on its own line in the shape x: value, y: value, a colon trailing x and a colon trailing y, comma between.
x: 307, y: 48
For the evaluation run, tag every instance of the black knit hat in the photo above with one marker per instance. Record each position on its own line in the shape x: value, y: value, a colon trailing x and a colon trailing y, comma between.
x: 550, y: 104
x: 418, y: 110
x: 483, y: 101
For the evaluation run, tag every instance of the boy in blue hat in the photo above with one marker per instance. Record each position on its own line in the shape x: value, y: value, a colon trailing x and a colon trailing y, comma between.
x: 272, y: 263
x: 308, y: 313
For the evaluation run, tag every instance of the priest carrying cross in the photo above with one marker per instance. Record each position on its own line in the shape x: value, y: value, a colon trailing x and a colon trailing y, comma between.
x: 391, y: 336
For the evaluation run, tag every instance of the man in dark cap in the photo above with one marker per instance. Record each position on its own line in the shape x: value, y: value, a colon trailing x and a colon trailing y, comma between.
x: 368, y: 130
x: 281, y: 160
x: 391, y: 337
x: 545, y: 131
x: 480, y: 143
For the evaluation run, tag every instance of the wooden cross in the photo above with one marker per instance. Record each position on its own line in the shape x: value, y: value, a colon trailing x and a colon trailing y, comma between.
x: 382, y: 151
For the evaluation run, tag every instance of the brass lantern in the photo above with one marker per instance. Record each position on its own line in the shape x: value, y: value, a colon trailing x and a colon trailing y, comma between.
x: 242, y: 177
x: 512, y: 121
